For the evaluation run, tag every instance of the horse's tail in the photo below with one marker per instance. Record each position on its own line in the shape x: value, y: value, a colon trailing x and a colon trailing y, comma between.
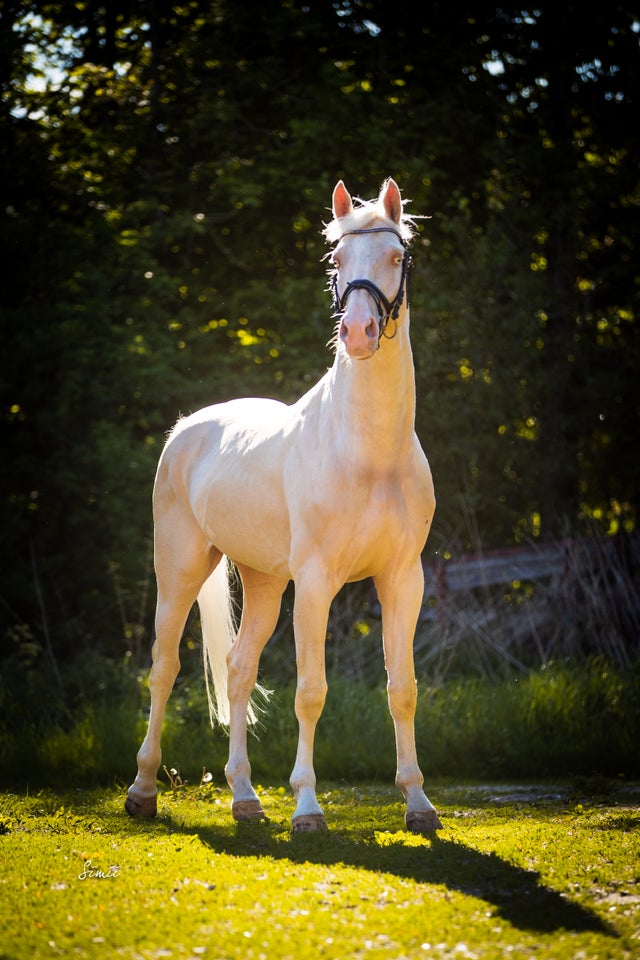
x: 218, y: 634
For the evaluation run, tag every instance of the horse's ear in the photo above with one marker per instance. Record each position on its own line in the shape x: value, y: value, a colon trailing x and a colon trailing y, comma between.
x: 391, y: 200
x: 342, y: 203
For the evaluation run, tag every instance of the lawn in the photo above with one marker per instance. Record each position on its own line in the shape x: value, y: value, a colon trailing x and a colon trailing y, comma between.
x: 551, y: 872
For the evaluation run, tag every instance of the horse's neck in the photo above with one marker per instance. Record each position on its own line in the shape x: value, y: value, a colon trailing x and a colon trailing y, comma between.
x: 375, y: 400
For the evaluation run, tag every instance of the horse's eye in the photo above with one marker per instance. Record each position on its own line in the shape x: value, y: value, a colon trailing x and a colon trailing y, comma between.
x: 335, y: 263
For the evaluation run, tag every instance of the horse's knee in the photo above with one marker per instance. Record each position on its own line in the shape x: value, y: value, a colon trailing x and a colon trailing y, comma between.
x: 403, y: 698
x: 310, y: 698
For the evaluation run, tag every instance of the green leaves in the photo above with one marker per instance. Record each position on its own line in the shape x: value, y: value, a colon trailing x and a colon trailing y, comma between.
x: 163, y: 178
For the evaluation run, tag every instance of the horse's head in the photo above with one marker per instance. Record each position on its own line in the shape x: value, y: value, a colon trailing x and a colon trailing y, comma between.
x: 371, y: 265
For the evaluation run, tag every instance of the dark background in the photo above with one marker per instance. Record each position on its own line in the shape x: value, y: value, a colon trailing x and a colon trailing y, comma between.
x: 163, y: 184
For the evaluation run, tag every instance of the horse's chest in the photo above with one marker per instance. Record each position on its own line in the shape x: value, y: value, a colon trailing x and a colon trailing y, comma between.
x: 389, y: 510
x: 369, y: 521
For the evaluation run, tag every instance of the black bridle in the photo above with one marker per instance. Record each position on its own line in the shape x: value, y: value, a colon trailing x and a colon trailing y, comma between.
x: 387, y: 310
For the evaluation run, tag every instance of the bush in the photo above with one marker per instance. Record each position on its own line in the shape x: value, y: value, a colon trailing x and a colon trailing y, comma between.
x: 555, y: 722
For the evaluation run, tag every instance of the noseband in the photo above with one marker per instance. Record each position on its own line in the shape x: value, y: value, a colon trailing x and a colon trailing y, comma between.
x: 387, y: 310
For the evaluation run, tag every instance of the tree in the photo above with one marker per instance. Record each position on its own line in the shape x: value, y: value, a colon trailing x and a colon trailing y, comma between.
x: 161, y: 196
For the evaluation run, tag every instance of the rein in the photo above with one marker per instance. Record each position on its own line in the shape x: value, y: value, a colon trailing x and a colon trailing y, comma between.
x: 387, y: 310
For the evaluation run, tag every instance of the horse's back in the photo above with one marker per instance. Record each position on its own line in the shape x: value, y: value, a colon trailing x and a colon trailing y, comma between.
x: 257, y: 415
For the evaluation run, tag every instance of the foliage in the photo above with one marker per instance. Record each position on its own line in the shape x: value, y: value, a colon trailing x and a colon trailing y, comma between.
x: 589, y: 609
x: 553, y: 722
x: 514, y: 872
x: 163, y: 173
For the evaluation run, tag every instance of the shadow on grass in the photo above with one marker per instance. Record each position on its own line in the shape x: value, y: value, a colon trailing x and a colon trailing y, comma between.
x: 517, y: 895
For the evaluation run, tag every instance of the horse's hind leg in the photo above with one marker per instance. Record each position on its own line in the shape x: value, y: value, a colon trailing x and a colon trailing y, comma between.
x: 260, y: 608
x: 183, y: 559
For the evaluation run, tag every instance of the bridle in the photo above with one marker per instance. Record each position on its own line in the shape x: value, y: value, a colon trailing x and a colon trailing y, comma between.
x: 387, y: 310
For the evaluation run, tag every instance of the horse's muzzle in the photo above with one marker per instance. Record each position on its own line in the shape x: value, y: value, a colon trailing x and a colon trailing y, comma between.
x: 360, y: 334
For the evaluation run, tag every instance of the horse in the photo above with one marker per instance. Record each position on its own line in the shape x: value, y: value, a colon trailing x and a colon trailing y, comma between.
x: 331, y: 489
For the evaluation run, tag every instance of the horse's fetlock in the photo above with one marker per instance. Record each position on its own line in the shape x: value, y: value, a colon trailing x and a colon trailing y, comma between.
x: 238, y: 771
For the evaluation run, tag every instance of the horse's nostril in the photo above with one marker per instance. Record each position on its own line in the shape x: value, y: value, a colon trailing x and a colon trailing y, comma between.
x: 347, y: 330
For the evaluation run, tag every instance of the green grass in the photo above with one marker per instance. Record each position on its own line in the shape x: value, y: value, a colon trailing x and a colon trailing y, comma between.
x: 514, y: 873
x: 554, y: 722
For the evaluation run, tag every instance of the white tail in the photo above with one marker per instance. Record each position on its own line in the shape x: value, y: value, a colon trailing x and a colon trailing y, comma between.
x: 218, y: 634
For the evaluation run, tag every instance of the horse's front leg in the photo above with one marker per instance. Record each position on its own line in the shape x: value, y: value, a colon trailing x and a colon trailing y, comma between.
x: 260, y: 609
x: 401, y: 597
x: 311, y: 612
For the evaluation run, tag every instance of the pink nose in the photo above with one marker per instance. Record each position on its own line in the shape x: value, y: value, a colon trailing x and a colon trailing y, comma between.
x: 359, y: 334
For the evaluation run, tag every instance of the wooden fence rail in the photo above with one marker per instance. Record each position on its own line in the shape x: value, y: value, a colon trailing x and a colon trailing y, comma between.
x: 492, y: 568
x: 534, y: 563
x: 539, y: 563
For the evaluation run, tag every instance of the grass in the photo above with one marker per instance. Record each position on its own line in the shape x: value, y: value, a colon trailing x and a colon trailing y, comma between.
x: 515, y: 872
x: 554, y: 722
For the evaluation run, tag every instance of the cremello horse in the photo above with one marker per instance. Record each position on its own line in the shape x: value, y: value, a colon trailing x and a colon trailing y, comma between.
x: 331, y: 489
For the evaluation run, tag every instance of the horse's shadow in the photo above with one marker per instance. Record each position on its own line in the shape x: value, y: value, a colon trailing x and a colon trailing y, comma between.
x: 515, y: 894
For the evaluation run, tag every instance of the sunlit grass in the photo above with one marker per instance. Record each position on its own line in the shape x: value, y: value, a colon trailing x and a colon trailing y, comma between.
x: 512, y: 873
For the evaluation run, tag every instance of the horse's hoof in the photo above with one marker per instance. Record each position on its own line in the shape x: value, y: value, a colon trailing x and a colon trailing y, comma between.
x: 243, y: 810
x: 309, y: 822
x: 141, y: 806
x: 422, y: 821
